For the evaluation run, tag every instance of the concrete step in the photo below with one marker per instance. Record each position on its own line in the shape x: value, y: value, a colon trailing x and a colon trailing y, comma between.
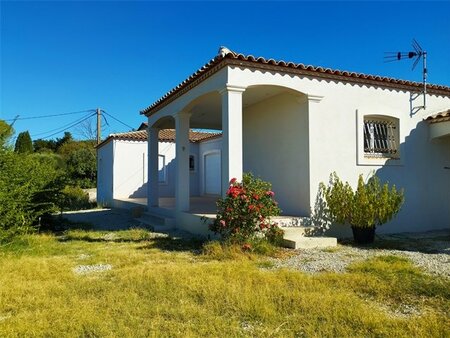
x: 289, y: 221
x: 310, y: 242
x: 294, y: 238
x: 159, y: 223
x: 296, y: 231
x: 160, y: 211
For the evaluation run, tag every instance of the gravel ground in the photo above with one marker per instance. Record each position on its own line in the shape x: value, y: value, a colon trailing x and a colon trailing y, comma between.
x: 429, y: 251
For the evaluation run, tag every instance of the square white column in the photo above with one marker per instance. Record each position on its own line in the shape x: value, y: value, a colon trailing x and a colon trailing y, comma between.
x: 232, y: 158
x: 182, y: 192
x: 153, y: 160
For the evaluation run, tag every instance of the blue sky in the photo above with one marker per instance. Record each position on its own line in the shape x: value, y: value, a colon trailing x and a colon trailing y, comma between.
x: 59, y: 57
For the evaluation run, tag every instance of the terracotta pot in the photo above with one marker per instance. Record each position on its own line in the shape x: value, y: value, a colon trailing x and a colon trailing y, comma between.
x: 363, y: 235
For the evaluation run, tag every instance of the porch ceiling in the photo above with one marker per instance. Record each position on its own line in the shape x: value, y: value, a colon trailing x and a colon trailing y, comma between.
x: 439, y: 124
x: 206, y: 113
x: 441, y: 129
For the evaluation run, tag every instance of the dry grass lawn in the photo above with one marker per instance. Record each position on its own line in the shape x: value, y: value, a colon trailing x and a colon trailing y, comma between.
x: 159, y: 287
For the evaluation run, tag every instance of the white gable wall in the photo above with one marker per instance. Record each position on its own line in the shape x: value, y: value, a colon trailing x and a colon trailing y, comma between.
x: 130, y: 169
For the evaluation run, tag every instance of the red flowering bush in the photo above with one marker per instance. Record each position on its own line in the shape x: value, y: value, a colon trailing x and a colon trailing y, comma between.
x: 244, y: 214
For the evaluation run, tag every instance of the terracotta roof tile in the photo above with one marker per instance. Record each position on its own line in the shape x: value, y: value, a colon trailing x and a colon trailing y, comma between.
x: 165, y: 135
x: 227, y: 57
x: 439, y: 117
x: 168, y: 135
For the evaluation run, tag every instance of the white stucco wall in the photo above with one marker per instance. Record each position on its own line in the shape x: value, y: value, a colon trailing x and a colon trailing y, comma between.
x: 420, y: 168
x: 167, y: 189
x: 332, y: 118
x: 105, y: 174
x: 194, y: 175
x: 130, y: 169
x: 275, y: 144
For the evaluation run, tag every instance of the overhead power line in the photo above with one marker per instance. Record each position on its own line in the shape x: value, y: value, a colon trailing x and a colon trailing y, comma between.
x: 70, y: 126
x: 60, y: 129
x: 127, y: 125
x: 63, y: 126
x: 46, y: 116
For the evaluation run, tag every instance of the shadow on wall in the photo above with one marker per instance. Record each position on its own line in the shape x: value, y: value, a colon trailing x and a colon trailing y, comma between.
x: 426, y: 185
x: 166, y: 185
x: 425, y: 181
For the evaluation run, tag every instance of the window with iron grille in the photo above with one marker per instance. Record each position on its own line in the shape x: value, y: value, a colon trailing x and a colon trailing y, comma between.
x: 380, y: 137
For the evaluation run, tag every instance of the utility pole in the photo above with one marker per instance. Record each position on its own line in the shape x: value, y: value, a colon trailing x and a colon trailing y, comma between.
x: 99, y: 128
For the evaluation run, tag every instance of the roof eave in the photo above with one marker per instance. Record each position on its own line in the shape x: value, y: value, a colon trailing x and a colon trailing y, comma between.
x: 241, y: 60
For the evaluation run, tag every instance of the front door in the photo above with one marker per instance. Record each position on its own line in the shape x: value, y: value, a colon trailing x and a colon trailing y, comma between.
x: 212, y: 174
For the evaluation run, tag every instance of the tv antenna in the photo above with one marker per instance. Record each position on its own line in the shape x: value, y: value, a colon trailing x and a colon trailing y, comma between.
x: 417, y: 54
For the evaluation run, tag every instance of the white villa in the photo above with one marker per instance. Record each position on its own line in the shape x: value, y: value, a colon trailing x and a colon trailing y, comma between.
x: 293, y: 125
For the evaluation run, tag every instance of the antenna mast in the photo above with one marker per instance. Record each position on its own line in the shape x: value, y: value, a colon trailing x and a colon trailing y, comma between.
x: 417, y: 54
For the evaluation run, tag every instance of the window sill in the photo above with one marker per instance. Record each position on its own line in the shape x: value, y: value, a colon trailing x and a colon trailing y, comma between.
x: 380, y: 160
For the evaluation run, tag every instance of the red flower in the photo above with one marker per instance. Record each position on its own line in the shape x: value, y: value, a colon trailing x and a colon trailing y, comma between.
x: 270, y: 193
x: 256, y: 197
x: 233, y: 180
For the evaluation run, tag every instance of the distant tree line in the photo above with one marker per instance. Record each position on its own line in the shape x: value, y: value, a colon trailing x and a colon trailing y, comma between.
x: 77, y: 158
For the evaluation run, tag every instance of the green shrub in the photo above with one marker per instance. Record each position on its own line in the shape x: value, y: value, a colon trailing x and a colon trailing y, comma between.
x: 370, y: 205
x: 28, y: 188
x: 82, y: 166
x: 6, y: 132
x: 74, y: 198
x: 244, y: 214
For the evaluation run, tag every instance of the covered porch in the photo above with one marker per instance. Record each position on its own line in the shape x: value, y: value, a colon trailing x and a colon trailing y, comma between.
x: 264, y: 122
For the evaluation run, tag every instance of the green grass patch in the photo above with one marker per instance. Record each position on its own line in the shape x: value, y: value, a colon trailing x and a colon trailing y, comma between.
x: 399, y: 282
x: 159, y: 287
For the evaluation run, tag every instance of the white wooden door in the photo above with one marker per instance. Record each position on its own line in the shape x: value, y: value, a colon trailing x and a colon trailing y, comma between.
x: 212, y: 174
